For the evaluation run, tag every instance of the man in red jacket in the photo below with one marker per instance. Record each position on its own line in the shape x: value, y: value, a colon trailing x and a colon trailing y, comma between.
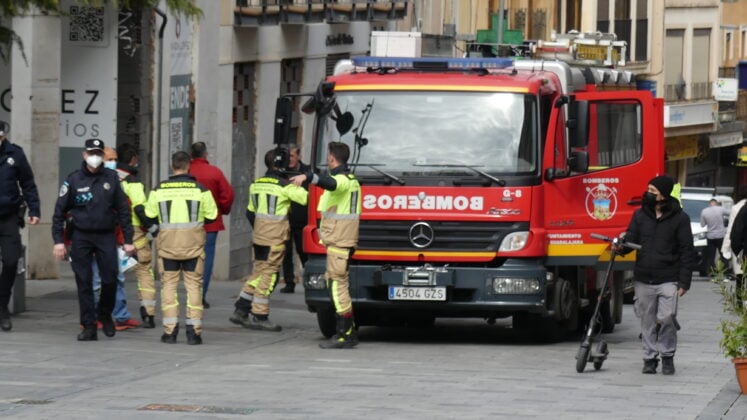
x: 212, y: 178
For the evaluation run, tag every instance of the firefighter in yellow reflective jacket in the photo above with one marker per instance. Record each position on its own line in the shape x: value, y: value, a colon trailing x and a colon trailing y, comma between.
x: 269, y: 202
x: 182, y: 206
x: 135, y: 190
x: 340, y: 205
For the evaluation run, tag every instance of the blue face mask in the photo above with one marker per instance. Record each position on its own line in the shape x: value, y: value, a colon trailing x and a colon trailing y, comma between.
x: 110, y: 165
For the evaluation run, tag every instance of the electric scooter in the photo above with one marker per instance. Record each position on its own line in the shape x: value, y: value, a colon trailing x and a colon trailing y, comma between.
x: 593, y: 348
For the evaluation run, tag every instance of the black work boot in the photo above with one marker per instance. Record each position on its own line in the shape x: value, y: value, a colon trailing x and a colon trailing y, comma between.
x: 5, y: 323
x: 88, y: 334
x: 192, y: 337
x: 346, y: 337
x: 170, y: 338
x: 650, y: 365
x: 107, y: 325
x: 667, y: 365
x: 149, y: 321
x: 290, y: 287
x: 240, y: 318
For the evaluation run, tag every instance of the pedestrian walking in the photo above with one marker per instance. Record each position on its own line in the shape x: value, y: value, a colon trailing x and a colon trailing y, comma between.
x: 727, y: 250
x: 182, y: 206
x: 297, y: 216
x: 712, y: 218
x: 269, y: 201
x: 663, y: 270
x: 340, y: 205
x: 17, y: 193
x: 96, y: 203
x: 122, y: 318
x: 213, y: 179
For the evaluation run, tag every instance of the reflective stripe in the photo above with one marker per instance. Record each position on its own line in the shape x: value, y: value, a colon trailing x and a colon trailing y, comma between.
x: 339, y: 251
x: 354, y: 202
x: 170, y: 321
x: 148, y: 303
x: 188, y: 225
x: 145, y: 289
x: 194, y: 209
x: 272, y: 203
x: 245, y: 295
x: 271, y: 216
x: 199, y: 307
x: 173, y: 305
x: 277, y: 247
x: 195, y: 322
x: 163, y: 208
x: 255, y: 201
x: 330, y: 215
x: 261, y: 300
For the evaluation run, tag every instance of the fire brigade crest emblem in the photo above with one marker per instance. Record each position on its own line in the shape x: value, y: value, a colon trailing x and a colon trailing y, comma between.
x: 601, y: 201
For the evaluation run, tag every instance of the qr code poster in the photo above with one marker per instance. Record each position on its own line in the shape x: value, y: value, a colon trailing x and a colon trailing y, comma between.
x: 87, y: 25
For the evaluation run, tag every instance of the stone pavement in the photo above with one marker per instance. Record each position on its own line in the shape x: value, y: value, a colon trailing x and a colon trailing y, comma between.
x: 451, y: 371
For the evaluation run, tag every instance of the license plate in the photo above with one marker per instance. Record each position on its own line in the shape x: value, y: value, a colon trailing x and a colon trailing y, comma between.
x: 417, y: 293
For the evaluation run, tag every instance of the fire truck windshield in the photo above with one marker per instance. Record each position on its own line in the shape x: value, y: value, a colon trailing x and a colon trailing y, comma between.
x: 415, y: 133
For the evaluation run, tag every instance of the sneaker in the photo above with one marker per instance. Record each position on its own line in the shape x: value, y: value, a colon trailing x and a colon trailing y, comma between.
x: 667, y: 365
x: 649, y: 365
x: 289, y: 288
x: 262, y: 324
x: 107, y: 325
x: 88, y: 334
x: 5, y: 323
x: 240, y: 318
x: 126, y: 324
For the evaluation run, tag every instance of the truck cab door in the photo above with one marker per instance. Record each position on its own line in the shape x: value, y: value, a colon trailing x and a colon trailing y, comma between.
x: 602, y: 149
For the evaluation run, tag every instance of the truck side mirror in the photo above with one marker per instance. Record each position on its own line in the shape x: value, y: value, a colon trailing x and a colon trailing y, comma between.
x: 579, y: 161
x: 283, y: 115
x: 578, y: 123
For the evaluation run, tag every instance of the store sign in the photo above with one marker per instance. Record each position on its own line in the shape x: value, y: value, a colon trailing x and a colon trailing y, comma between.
x: 725, y: 139
x: 180, y: 42
x: 684, y: 147
x: 725, y: 90
x: 683, y: 115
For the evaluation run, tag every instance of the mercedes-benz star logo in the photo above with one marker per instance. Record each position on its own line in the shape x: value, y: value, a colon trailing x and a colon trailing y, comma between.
x: 421, y: 235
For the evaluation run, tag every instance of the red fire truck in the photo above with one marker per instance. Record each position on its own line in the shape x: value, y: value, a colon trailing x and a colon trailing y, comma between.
x: 482, y: 180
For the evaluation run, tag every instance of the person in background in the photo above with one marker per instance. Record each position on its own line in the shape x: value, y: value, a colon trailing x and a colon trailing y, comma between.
x: 182, y: 206
x: 340, y: 205
x: 213, y: 179
x: 297, y: 217
x: 269, y: 201
x: 143, y: 227
x: 712, y: 218
x: 96, y: 203
x: 727, y: 250
x: 663, y: 270
x: 122, y: 317
x: 17, y: 187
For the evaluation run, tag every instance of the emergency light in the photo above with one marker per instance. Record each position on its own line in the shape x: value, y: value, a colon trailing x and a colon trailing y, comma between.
x: 433, y: 63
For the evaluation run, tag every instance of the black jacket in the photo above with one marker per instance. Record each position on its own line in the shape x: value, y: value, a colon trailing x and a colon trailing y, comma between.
x: 96, y: 202
x: 738, y: 235
x: 15, y: 171
x: 299, y: 214
x: 667, y: 253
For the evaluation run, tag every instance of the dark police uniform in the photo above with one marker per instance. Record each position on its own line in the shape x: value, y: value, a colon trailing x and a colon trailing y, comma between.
x: 96, y: 203
x: 15, y: 171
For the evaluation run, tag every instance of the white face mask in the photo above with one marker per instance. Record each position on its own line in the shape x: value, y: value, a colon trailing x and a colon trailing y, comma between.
x: 94, y: 161
x: 111, y: 164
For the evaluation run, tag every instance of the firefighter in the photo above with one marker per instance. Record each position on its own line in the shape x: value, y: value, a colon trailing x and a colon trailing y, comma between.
x: 135, y: 190
x: 182, y: 207
x: 340, y: 205
x: 269, y: 201
x: 96, y: 202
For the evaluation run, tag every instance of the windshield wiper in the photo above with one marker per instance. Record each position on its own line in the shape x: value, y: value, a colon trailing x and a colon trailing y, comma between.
x: 473, y: 168
x: 373, y: 166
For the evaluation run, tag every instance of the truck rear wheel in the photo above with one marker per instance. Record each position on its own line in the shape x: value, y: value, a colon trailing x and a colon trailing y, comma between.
x: 325, y: 317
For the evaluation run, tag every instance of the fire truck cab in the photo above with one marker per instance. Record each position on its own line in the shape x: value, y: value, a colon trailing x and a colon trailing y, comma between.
x: 482, y: 180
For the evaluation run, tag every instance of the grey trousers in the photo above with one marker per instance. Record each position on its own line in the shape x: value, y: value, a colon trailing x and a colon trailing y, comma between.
x: 656, y: 305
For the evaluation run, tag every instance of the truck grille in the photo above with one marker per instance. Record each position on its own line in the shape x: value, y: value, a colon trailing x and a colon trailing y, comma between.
x: 447, y: 236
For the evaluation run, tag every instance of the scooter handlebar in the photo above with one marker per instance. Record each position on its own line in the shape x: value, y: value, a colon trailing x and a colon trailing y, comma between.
x: 616, y: 241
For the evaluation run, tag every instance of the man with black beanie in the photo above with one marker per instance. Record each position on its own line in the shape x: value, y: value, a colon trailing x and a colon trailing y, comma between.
x: 663, y: 270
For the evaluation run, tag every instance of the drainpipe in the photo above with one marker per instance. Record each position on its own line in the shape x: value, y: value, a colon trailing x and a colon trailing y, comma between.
x: 159, y: 99
x: 500, y: 23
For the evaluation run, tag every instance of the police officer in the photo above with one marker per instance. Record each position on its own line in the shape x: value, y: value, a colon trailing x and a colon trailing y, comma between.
x: 269, y: 201
x: 146, y: 286
x: 15, y: 172
x: 182, y: 207
x: 340, y: 205
x: 96, y: 203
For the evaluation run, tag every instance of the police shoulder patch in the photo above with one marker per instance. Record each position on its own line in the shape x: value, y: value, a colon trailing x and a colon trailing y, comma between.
x: 63, y: 189
x: 107, y: 186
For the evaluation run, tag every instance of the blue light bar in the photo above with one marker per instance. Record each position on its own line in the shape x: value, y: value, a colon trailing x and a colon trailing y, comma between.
x: 432, y: 63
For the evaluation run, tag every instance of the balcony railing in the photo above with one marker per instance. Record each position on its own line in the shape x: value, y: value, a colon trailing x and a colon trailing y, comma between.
x: 273, y: 12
